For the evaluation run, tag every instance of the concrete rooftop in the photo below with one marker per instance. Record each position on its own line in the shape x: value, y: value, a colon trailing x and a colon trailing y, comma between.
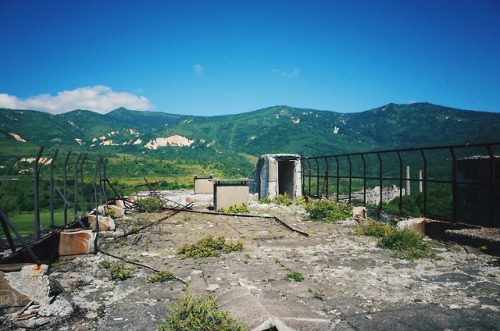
x: 350, y: 283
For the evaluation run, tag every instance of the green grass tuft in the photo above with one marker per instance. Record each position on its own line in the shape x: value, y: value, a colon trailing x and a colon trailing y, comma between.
x: 199, y: 314
x: 208, y: 247
x: 161, y: 276
x: 404, y: 243
x: 327, y: 211
x: 239, y: 209
x: 295, y: 277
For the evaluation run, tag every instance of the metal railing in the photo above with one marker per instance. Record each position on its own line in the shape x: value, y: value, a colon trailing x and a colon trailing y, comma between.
x: 345, y: 177
x: 74, y: 194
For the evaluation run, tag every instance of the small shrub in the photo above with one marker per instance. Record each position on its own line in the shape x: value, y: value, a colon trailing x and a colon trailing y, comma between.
x: 208, y: 247
x: 265, y: 200
x: 199, y: 314
x: 294, y: 277
x: 240, y: 209
x: 301, y: 201
x: 374, y: 229
x: 327, y: 211
x: 149, y: 205
x: 404, y: 243
x: 118, y: 271
x: 161, y: 276
x: 283, y: 199
x: 233, y: 247
x: 110, y: 212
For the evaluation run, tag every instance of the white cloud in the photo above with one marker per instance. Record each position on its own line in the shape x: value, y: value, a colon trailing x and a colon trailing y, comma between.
x: 99, y: 98
x: 289, y: 74
x: 198, y: 69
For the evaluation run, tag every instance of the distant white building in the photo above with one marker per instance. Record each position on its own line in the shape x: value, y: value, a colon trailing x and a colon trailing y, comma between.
x: 389, y: 193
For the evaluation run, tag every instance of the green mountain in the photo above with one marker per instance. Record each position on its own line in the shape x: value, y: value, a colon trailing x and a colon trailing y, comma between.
x: 278, y: 129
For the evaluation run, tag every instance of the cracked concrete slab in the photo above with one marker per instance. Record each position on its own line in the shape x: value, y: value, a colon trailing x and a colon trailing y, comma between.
x: 349, y: 283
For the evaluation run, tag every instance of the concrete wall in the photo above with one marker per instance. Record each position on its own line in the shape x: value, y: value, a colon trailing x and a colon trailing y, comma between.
x: 227, y: 194
x: 203, y: 185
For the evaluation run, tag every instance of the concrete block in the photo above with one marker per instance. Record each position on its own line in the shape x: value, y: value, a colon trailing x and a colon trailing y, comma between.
x: 359, y: 213
x: 106, y: 223
x: 119, y: 203
x: 226, y: 196
x: 118, y: 212
x: 203, y: 185
x: 76, y: 242
x: 415, y: 225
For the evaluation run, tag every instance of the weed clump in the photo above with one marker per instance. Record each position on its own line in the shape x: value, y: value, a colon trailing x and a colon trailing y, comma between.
x: 404, y: 243
x: 161, y: 276
x: 237, y: 209
x: 110, y: 212
x: 281, y: 199
x: 208, y: 247
x: 149, y: 205
x: 294, y: 277
x: 328, y: 211
x: 199, y: 314
x: 118, y: 271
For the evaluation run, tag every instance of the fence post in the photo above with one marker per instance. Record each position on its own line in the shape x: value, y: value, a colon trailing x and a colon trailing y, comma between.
x: 491, y: 210
x: 65, y: 188
x: 317, y: 178
x: 326, y: 175
x: 309, y: 176
x: 454, y: 183
x: 400, y: 183
x: 424, y: 179
x: 381, y: 183
x: 36, y: 175
x: 350, y: 177
x: 338, y: 178
x: 52, y: 161
x: 81, y: 181
x: 364, y: 179
x: 75, y: 193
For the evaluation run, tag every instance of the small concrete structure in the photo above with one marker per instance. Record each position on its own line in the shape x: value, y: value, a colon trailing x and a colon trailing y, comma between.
x: 477, y: 198
x: 203, y: 185
x: 230, y: 192
x: 277, y: 174
x: 76, y: 242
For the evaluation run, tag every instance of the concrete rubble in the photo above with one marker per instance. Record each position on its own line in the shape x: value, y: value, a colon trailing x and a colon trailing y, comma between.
x: 350, y: 283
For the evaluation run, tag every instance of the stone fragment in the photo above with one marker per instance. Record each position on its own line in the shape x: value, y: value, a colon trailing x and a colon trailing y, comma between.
x: 120, y: 204
x: 10, y: 299
x: 359, y: 213
x: 106, y: 223
x: 116, y: 211
x: 415, y: 225
x: 213, y: 287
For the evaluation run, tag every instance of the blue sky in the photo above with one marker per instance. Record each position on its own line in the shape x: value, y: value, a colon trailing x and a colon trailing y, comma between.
x: 226, y: 57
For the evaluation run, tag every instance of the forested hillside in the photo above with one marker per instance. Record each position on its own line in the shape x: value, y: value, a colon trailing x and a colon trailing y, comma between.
x: 170, y: 149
